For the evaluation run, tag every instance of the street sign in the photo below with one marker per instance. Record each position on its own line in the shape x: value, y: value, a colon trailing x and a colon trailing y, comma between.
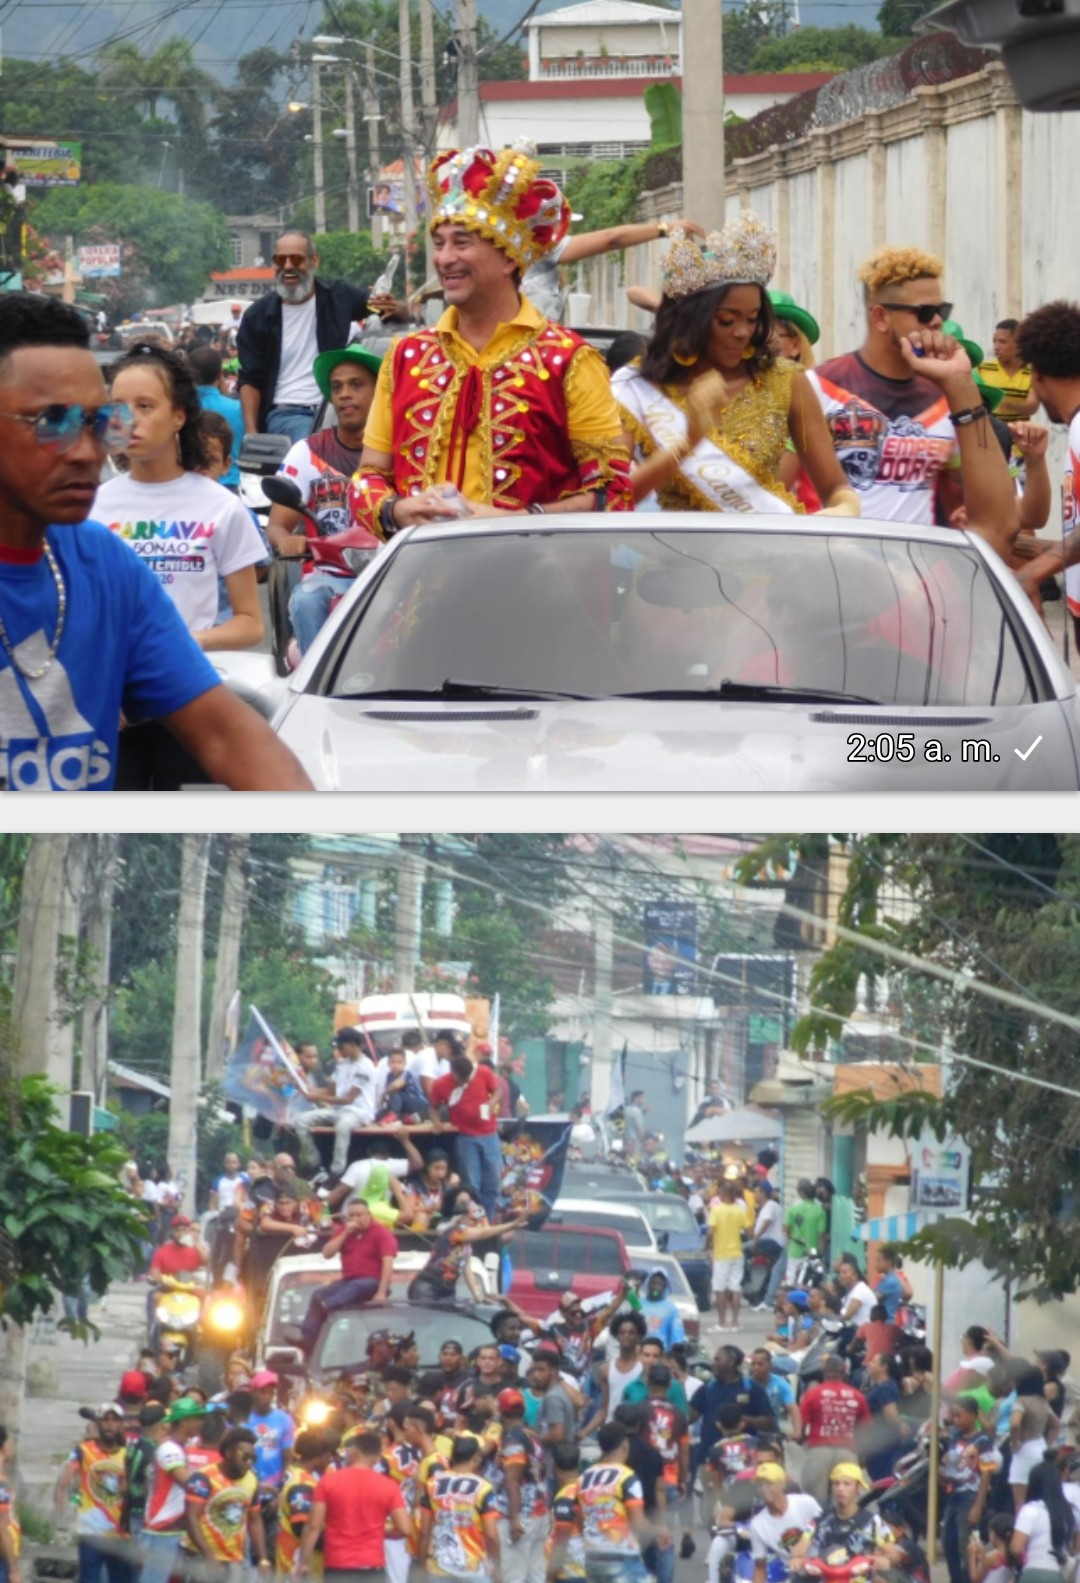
x: 99, y: 261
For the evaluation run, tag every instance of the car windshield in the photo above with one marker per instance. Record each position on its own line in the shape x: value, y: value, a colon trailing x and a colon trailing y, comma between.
x: 596, y: 614
x: 343, y: 1344
x: 669, y: 1215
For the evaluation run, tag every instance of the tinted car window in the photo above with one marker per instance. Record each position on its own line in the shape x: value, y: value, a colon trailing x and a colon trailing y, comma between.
x: 897, y: 621
x: 630, y: 1226
x: 669, y: 1214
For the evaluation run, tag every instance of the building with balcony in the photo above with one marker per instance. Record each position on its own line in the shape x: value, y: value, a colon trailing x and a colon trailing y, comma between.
x: 605, y: 38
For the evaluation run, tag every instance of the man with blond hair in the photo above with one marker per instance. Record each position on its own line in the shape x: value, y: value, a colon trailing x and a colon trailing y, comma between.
x: 891, y: 405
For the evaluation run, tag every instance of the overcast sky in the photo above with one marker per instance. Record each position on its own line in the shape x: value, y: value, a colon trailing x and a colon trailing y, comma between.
x: 223, y: 29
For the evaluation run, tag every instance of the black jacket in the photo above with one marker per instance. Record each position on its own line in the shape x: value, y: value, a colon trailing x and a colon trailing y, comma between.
x: 258, y: 340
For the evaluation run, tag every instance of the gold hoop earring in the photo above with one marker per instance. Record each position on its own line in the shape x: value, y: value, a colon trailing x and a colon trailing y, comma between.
x: 748, y: 354
x: 683, y: 359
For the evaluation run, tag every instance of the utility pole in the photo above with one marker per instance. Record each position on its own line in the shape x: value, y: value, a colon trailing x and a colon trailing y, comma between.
x: 317, y: 147
x: 468, y: 82
x: 38, y: 956
x: 371, y: 120
x: 186, y: 1066
x: 61, y: 1031
x: 430, y: 102
x: 100, y: 887
x: 410, y: 891
x: 603, y: 961
x: 704, y: 180
x: 408, y: 125
x: 353, y: 188
x: 227, y: 967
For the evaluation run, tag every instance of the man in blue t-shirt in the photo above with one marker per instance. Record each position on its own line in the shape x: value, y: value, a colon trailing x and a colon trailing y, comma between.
x: 86, y: 631
x: 729, y: 1384
x: 274, y: 1428
x: 205, y: 365
x: 890, y: 1285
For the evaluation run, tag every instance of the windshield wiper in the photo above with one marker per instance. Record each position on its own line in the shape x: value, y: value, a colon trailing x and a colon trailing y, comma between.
x: 756, y: 692
x: 452, y: 688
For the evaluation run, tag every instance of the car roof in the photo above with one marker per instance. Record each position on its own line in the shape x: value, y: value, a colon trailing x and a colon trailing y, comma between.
x: 601, y: 1205
x: 573, y: 522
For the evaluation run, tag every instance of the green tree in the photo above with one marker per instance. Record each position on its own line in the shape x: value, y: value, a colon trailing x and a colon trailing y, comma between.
x: 258, y: 158
x: 63, y: 1215
x: 745, y: 31
x: 60, y: 99
x: 897, y: 18
x: 1000, y: 914
x: 174, y: 242
x: 821, y: 49
x: 171, y: 75
x: 349, y: 255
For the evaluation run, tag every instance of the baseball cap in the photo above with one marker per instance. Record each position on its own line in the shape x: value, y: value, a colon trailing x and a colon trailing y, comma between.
x: 509, y: 1354
x: 263, y: 1377
x: 850, y: 1470
x: 132, y: 1386
x: 186, y: 1407
x: 510, y: 1402
x: 111, y: 1407
x: 180, y: 1220
x: 770, y: 1470
x: 323, y: 367
x: 799, y: 1297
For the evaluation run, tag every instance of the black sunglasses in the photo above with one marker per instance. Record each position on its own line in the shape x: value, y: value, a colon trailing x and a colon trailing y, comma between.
x: 926, y: 312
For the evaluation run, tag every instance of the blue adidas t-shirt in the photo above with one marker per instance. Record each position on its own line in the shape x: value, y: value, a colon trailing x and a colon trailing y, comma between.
x: 124, y: 647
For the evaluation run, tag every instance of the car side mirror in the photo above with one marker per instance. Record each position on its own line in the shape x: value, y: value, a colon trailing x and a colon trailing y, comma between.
x: 662, y: 1240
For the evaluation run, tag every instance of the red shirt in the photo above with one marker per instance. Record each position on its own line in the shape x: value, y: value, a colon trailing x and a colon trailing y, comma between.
x: 362, y: 1254
x: 480, y: 1094
x: 831, y: 1412
x: 358, y: 1501
x: 175, y: 1258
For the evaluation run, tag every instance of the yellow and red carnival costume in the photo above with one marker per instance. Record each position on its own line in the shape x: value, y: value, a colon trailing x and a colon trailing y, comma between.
x: 528, y: 420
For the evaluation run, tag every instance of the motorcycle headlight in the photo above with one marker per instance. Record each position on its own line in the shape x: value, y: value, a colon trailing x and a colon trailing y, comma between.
x: 316, y: 1413
x: 226, y: 1315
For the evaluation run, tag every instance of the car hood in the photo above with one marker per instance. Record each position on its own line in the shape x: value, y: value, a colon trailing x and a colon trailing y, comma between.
x: 663, y: 745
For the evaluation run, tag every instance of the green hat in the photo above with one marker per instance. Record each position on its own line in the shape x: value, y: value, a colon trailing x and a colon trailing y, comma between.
x: 785, y: 307
x: 992, y: 395
x: 186, y: 1407
x: 326, y: 362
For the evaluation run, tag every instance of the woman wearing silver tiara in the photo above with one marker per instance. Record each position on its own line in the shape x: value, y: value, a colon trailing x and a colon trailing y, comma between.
x: 711, y: 409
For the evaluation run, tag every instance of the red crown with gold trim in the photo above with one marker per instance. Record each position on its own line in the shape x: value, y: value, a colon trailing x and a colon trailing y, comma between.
x: 503, y: 196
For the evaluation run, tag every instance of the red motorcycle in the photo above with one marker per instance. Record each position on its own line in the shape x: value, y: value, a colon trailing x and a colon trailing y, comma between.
x: 837, y: 1567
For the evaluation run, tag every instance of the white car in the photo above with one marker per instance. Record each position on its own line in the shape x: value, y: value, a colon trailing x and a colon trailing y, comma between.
x: 683, y: 652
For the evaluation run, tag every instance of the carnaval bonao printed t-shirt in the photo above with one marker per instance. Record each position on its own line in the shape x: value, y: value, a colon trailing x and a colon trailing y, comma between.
x: 189, y: 532
x: 123, y: 647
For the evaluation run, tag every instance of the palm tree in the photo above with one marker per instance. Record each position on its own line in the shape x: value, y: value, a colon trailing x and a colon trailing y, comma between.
x: 172, y: 74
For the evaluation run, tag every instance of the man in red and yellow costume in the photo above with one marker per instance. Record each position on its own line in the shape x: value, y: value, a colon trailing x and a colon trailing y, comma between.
x: 514, y: 411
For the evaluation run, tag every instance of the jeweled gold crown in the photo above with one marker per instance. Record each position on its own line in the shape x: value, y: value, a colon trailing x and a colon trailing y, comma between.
x: 742, y: 254
x: 503, y: 196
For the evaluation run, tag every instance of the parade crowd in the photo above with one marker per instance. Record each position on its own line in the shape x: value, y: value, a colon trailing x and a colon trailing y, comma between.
x: 497, y: 407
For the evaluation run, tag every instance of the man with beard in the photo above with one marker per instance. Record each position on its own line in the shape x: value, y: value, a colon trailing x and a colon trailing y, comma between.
x: 281, y: 335
x: 98, y: 1463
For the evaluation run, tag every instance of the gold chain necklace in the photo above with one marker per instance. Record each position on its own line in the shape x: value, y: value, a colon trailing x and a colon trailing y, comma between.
x: 61, y: 615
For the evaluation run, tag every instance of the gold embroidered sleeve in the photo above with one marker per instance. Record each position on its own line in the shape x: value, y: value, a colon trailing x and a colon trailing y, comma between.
x: 591, y: 413
x: 379, y: 432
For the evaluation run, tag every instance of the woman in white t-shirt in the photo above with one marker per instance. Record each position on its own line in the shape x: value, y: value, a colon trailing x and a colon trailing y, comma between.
x: 1044, y: 1533
x: 187, y: 529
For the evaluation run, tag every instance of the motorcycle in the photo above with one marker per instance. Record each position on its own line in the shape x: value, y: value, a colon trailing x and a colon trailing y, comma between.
x: 346, y: 553
x: 907, y: 1486
x: 757, y: 1269
x: 811, y: 1270
x: 204, y: 1327
x: 829, y: 1342
x: 177, y: 1308
x: 833, y: 1569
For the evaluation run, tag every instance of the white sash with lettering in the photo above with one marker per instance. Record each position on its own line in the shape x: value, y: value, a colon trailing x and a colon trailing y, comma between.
x: 709, y: 468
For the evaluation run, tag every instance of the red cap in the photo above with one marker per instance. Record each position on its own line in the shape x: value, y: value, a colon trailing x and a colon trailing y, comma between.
x: 179, y: 1220
x: 133, y: 1386
x: 510, y: 1402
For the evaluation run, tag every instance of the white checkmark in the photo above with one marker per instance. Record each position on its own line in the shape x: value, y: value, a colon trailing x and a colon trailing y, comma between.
x: 1030, y: 751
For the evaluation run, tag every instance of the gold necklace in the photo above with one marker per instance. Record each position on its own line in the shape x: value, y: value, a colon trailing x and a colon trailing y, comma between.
x: 61, y: 615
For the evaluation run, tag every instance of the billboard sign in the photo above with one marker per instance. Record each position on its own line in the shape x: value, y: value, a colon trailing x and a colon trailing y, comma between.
x: 670, y: 932
x: 940, y: 1173
x: 388, y: 197
x: 44, y: 162
x: 99, y: 262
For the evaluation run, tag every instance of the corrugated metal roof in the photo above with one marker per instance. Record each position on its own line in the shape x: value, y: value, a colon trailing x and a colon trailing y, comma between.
x: 606, y: 13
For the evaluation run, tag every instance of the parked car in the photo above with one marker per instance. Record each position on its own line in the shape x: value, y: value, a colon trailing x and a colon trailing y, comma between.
x: 647, y: 1249
x: 557, y: 1259
x: 684, y: 651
